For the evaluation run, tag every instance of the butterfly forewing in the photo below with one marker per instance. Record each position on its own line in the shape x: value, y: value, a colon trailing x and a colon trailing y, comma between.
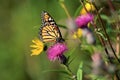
x: 49, y: 30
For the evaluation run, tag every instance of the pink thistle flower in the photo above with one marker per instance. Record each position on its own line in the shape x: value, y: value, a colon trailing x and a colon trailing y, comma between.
x: 56, y: 51
x: 83, y: 20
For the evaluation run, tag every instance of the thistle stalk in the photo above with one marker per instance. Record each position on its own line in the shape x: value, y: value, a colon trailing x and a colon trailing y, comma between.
x: 99, y: 37
x: 108, y: 39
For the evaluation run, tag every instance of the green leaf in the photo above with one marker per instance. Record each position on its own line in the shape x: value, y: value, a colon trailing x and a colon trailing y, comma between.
x: 71, y: 52
x: 97, y: 77
x: 108, y: 19
x: 80, y: 71
x: 102, y: 35
x: 60, y: 71
x: 87, y: 47
x: 78, y: 11
x: 62, y: 26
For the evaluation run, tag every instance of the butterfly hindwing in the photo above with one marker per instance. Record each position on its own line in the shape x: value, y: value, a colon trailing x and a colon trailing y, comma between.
x: 49, y: 31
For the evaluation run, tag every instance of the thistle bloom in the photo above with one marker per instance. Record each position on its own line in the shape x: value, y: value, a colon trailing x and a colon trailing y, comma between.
x: 38, y: 47
x: 83, y: 20
x: 56, y: 51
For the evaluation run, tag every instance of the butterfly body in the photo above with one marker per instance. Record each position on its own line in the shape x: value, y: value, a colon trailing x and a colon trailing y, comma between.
x: 49, y: 31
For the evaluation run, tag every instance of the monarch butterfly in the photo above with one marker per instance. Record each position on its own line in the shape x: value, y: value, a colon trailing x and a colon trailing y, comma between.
x: 49, y: 31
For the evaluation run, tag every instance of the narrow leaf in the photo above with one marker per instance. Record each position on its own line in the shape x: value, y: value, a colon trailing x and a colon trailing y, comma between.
x: 102, y: 35
x: 78, y: 11
x: 80, y: 71
x: 71, y: 52
x: 108, y: 19
x: 62, y: 26
x: 60, y: 71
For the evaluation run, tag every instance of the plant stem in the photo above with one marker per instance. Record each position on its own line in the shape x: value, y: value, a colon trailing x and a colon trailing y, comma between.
x: 83, y: 6
x: 118, y: 45
x: 116, y: 25
x: 99, y: 17
x: 65, y: 9
x: 111, y: 5
x: 104, y: 45
x: 100, y: 38
x: 70, y: 72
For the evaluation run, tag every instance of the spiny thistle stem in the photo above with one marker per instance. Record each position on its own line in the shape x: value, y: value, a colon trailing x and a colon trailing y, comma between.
x: 117, y: 36
x: 103, y: 44
x: 99, y: 17
x: 100, y: 38
x: 116, y: 25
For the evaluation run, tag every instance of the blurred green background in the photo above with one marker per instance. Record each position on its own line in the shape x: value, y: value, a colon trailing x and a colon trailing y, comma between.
x: 19, y: 24
x: 20, y: 21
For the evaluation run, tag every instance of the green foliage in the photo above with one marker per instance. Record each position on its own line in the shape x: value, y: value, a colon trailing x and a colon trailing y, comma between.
x: 107, y: 18
x: 62, y: 26
x: 20, y: 22
x: 80, y: 71
x: 78, y: 11
x: 95, y: 77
